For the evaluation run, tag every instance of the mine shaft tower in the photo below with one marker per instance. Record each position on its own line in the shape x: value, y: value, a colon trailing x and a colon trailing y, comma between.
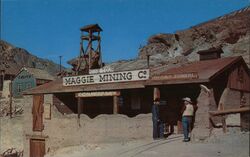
x: 90, y: 49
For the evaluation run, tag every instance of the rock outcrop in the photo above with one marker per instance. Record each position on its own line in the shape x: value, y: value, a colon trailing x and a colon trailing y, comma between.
x: 18, y: 57
x: 231, y: 32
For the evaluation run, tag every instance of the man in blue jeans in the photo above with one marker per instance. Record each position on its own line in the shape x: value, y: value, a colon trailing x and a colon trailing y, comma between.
x: 188, y: 111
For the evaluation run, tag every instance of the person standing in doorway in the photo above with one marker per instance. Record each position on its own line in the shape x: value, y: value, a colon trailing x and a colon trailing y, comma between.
x: 156, y: 118
x: 187, y: 117
x: 162, y: 118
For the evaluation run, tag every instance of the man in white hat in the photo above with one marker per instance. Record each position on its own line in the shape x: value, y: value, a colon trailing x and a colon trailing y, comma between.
x: 187, y: 117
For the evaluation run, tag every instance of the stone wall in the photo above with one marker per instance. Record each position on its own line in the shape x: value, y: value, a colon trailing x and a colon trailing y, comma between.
x: 11, y: 133
x: 67, y: 130
x: 230, y: 99
x: 11, y: 129
x: 6, y: 89
x: 233, y: 99
x: 245, y: 120
x: 104, y: 128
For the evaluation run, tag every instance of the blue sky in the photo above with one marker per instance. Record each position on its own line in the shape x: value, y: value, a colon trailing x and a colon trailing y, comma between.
x: 50, y: 28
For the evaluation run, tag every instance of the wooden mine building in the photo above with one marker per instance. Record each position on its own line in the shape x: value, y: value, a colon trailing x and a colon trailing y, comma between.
x: 121, y: 94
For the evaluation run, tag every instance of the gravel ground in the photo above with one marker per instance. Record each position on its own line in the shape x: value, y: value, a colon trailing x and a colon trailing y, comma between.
x: 232, y: 144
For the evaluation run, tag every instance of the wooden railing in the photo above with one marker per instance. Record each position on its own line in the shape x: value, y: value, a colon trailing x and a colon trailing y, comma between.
x: 223, y: 112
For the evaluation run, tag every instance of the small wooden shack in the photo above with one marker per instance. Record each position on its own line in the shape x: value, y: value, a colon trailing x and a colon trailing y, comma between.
x: 28, y: 78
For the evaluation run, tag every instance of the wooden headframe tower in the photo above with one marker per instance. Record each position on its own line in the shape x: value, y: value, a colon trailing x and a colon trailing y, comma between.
x: 90, y: 48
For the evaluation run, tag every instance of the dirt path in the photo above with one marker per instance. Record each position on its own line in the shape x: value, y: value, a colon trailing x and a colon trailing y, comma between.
x: 229, y: 145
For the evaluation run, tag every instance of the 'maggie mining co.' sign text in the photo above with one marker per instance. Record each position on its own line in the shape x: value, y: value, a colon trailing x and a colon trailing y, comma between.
x: 123, y: 76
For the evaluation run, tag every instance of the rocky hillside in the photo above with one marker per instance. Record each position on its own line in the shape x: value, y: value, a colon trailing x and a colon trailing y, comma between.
x: 13, y: 56
x: 231, y: 32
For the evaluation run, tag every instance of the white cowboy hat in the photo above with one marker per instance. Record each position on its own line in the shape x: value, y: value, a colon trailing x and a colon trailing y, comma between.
x: 187, y: 99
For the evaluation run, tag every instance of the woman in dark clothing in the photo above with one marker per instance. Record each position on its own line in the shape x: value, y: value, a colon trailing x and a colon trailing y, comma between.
x: 155, y: 118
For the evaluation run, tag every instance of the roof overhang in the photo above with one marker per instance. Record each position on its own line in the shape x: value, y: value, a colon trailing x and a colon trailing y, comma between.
x: 59, y: 88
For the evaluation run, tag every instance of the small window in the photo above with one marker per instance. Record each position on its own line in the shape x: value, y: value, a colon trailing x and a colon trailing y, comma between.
x: 19, y: 87
x: 28, y: 85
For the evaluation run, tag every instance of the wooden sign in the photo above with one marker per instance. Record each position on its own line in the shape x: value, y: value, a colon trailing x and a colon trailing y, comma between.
x: 47, y: 111
x: 124, y: 76
x: 98, y: 94
x: 101, y: 70
x: 181, y: 76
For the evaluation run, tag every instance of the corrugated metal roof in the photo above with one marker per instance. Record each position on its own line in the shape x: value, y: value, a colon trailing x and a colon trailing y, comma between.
x: 39, y: 73
x: 94, y: 27
x: 206, y: 70
x: 57, y: 87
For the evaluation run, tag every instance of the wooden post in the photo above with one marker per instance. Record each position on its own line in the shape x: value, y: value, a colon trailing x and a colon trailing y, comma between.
x: 10, y: 89
x: 115, y: 105
x: 224, y: 125
x: 179, y: 127
x: 90, y: 49
x: 157, y: 93
x: 79, y: 106
x: 99, y: 49
x: 3, y: 75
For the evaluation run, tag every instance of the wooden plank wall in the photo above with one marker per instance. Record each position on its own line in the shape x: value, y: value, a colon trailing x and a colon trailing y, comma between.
x: 37, y: 148
x: 37, y: 112
x: 239, y: 79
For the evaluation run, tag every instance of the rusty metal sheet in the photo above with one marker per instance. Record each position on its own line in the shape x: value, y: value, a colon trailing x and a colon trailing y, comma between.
x: 205, y: 69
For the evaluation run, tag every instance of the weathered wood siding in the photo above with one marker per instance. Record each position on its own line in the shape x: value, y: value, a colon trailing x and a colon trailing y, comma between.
x: 37, y: 148
x: 239, y: 79
x: 37, y: 111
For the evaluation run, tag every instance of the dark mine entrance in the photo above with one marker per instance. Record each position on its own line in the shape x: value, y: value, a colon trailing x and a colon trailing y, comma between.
x: 95, y: 106
x: 170, y: 110
x: 130, y: 102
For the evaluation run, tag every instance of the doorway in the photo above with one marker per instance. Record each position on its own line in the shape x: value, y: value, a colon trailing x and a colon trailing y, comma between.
x: 37, y: 147
x: 173, y: 95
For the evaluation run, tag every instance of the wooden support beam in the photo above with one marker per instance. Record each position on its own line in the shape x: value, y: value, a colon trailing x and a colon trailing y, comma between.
x: 115, y: 105
x: 93, y: 37
x: 224, y: 125
x: 157, y: 93
x: 90, y: 51
x: 179, y: 127
x: 79, y: 106
x: 99, y: 49
x: 229, y: 111
x: 10, y: 89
